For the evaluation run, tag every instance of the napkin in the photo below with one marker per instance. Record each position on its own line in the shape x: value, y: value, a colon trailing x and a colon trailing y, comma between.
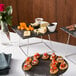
x: 5, y: 63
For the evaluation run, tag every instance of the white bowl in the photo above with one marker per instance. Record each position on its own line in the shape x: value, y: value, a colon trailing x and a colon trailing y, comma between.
x: 52, y: 27
x: 38, y: 20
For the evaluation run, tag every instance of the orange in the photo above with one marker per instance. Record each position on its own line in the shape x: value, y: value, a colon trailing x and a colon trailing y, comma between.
x: 32, y: 28
x: 23, y: 24
x: 27, y: 29
x: 22, y: 28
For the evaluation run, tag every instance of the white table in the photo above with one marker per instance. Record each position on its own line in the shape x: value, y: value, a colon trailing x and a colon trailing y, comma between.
x: 18, y: 56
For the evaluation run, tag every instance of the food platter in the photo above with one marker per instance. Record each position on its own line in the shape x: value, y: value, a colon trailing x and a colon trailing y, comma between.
x: 42, y: 69
x: 20, y: 33
x: 73, y: 32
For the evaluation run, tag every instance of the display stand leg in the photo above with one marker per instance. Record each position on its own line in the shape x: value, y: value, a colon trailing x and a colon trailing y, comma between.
x: 20, y: 47
x: 50, y: 43
x: 22, y: 51
x: 44, y: 43
x: 47, y: 44
x: 67, y: 43
x: 68, y: 39
x: 67, y: 48
x: 28, y: 47
x: 42, y: 39
x: 26, y: 54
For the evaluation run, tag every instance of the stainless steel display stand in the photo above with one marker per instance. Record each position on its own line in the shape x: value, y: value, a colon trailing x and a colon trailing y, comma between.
x: 28, y: 45
x: 11, y: 43
x: 68, y: 40
x: 20, y: 33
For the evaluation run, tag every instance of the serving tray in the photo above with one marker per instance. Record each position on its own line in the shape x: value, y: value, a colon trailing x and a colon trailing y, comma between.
x: 42, y: 69
x: 73, y: 33
x: 20, y: 33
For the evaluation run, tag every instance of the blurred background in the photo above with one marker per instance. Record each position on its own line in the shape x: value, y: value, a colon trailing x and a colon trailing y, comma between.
x: 61, y: 11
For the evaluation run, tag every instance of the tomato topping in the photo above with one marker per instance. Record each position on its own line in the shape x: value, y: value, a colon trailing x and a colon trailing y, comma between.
x: 38, y: 54
x: 53, y: 56
x: 25, y: 65
x: 53, y: 53
x: 51, y: 69
x: 27, y: 58
x: 34, y: 60
x: 62, y: 65
x: 54, y: 63
x: 35, y: 55
x: 53, y: 60
x: 54, y: 68
x: 59, y: 57
x: 45, y: 54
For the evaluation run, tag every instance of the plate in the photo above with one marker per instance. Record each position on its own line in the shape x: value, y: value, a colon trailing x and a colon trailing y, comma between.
x: 43, y: 69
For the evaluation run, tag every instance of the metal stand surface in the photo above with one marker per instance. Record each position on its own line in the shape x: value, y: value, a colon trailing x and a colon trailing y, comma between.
x: 68, y: 40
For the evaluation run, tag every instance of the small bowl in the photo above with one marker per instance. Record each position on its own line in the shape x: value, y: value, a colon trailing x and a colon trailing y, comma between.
x: 52, y: 26
x: 38, y: 20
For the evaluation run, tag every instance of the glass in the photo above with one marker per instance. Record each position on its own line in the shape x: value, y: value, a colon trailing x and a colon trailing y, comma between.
x: 4, y: 34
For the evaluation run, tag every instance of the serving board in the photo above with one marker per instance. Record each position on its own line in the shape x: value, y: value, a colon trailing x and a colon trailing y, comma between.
x: 20, y: 33
x: 42, y: 69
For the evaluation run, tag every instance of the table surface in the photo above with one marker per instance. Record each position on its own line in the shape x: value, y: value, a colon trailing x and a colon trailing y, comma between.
x: 72, y: 33
x: 18, y: 56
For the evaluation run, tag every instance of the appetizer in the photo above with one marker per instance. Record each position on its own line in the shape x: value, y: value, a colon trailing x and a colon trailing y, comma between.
x: 44, y: 24
x: 53, y: 63
x: 71, y: 27
x: 27, y: 66
x: 45, y: 56
x: 60, y: 59
x: 63, y: 66
x: 53, y: 70
x: 53, y: 56
x: 28, y: 60
x: 42, y: 30
x: 36, y: 56
x: 35, y: 62
x: 35, y: 25
x: 27, y: 33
